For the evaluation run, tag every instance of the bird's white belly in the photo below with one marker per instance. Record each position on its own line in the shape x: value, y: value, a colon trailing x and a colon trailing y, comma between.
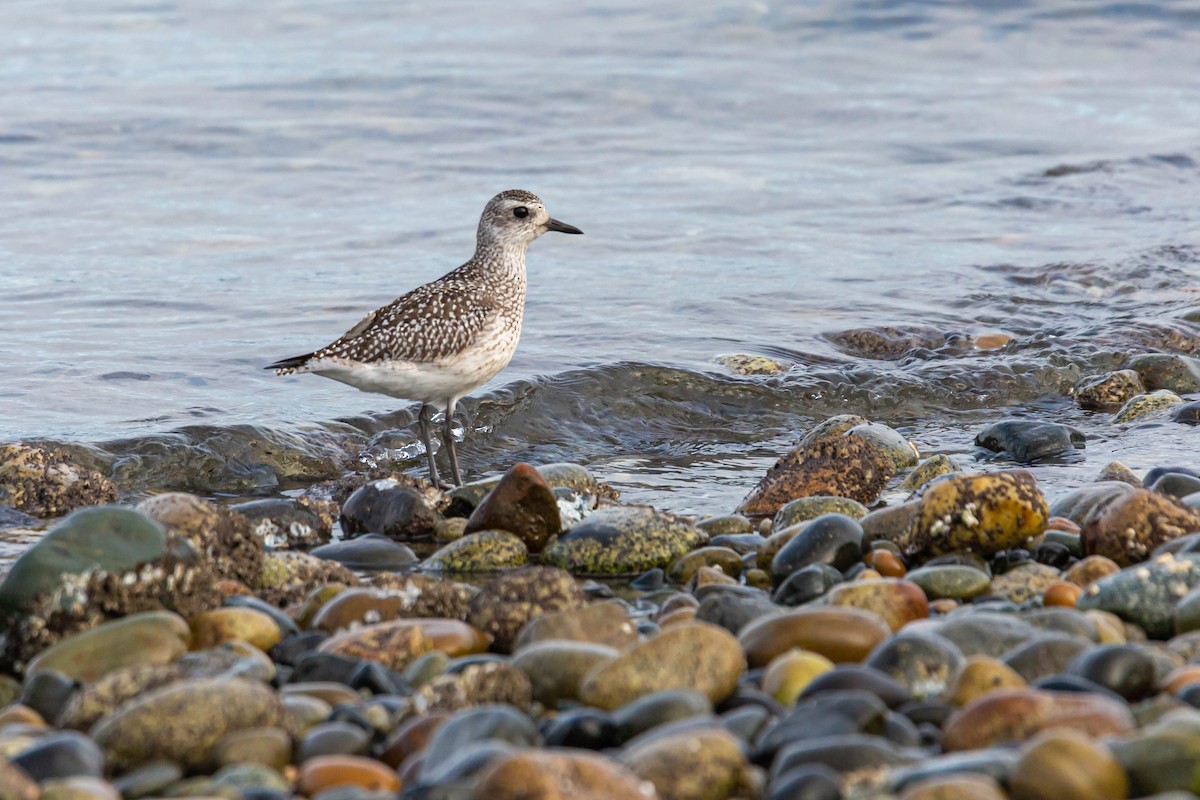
x: 434, y: 382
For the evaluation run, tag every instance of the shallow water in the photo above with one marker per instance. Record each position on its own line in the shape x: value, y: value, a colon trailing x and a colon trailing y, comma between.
x: 192, y: 190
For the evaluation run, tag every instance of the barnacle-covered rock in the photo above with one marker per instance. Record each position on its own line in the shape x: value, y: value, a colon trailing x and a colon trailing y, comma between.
x: 46, y: 483
x: 981, y: 513
x: 98, y: 564
x: 288, y: 576
x: 224, y: 537
x: 622, y: 541
x: 281, y: 523
x: 506, y: 603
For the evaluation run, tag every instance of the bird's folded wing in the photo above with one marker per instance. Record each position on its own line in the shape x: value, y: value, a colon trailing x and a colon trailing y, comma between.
x: 422, y: 326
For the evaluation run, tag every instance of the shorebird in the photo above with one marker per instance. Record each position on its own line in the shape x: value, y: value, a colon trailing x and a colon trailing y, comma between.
x: 441, y: 340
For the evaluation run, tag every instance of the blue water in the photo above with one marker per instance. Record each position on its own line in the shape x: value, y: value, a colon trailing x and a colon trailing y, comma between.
x: 189, y: 190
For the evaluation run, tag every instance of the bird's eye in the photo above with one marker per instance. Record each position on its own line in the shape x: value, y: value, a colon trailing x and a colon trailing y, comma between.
x: 520, y: 212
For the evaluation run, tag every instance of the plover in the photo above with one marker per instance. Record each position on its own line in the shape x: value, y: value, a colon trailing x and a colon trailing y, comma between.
x: 441, y: 340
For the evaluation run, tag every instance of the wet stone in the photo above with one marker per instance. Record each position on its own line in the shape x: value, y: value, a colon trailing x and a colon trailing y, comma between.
x: 687, y: 763
x: 958, y: 581
x: 289, y: 576
x: 559, y: 775
x: 804, y: 509
x: 472, y: 726
x: 183, y: 722
x: 370, y: 551
x: 1126, y: 670
x: 506, y: 603
x: 789, y: 674
x: 523, y: 504
x: 846, y: 753
x: 1116, y: 471
x: 149, y: 780
x: 63, y: 754
x: 152, y: 637
x: 221, y: 536
x: 1046, y: 655
x: 692, y: 656
x: 1068, y: 765
x: 982, y: 632
x: 485, y: 551
x: 1146, y: 594
x: 1171, y: 371
x: 1188, y: 413
x: 833, y: 539
x: 896, y: 602
x: 1024, y: 583
x: 556, y: 668
x: 211, y: 628
x: 269, y: 746
x: 728, y: 525
x: 607, y: 623
x: 1027, y: 441
x: 1132, y: 524
x: 1017, y: 714
x: 839, y: 634
x: 981, y: 675
x: 1146, y: 405
x: 925, y: 664
x: 332, y: 739
x: 728, y: 561
x: 1109, y: 391
x: 659, y: 708
x: 807, y: 584
x: 390, y: 509
x: 397, y: 643
x: 623, y: 540
x: 814, y: 782
x: 1176, y: 484
x: 749, y: 364
x: 733, y: 607
x: 324, y: 773
x: 80, y: 787
x: 843, y: 466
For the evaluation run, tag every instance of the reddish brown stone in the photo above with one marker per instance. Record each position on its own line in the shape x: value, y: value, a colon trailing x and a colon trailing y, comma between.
x: 1003, y: 717
x: 522, y: 504
x: 1130, y: 526
x: 842, y: 466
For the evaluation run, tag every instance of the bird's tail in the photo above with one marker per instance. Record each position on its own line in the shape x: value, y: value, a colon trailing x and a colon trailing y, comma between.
x: 287, y: 366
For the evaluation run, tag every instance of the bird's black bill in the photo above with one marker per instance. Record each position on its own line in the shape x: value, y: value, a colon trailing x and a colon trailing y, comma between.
x: 561, y: 227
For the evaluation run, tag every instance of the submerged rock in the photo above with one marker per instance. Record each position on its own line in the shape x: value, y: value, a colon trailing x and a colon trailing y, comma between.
x: 1108, y: 391
x: 1145, y: 405
x: 1027, y: 440
x: 1171, y: 371
x: 46, y: 483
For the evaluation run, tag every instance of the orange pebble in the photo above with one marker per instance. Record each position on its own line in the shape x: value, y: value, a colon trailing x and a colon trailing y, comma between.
x: 942, y: 605
x: 1062, y: 524
x: 327, y: 772
x: 677, y: 616
x: 886, y: 563
x: 1180, y: 677
x: 991, y: 341
x: 1061, y: 593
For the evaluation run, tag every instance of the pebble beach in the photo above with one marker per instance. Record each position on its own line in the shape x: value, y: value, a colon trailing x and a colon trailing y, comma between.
x: 869, y: 622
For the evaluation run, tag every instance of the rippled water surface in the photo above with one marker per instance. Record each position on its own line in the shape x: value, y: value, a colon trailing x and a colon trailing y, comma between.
x: 190, y: 190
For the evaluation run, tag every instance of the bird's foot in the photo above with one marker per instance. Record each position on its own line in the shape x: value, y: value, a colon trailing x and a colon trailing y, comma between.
x: 445, y: 485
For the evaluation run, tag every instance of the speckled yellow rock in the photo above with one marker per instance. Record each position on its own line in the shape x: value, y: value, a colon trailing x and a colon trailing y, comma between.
x: 47, y: 483
x: 1146, y: 405
x: 981, y: 513
x: 153, y: 637
x: 623, y: 540
x: 483, y: 551
x: 560, y: 775
x: 897, y: 602
x: 693, y: 656
x: 220, y: 625
x: 790, y: 673
x: 1066, y: 764
x: 981, y: 675
x: 1130, y: 526
x: 183, y: 722
x: 694, y: 764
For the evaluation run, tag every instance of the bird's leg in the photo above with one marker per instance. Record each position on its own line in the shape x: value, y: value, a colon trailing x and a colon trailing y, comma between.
x: 448, y: 438
x: 427, y: 440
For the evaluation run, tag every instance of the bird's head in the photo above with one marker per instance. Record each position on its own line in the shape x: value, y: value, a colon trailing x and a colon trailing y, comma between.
x: 517, y: 217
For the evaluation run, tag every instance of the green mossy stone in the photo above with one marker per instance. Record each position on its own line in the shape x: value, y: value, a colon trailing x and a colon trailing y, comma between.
x: 806, y: 508
x: 485, y: 551
x: 623, y: 540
